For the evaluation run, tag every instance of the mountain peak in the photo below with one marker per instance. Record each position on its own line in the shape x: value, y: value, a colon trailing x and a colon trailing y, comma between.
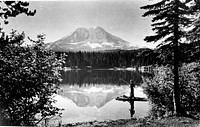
x: 99, y: 28
x: 90, y: 39
x: 81, y: 29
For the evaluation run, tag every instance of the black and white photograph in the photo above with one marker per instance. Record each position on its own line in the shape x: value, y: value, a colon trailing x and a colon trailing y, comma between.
x: 100, y: 63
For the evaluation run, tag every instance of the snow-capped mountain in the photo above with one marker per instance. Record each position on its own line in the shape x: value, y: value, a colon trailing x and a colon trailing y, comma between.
x: 92, y: 39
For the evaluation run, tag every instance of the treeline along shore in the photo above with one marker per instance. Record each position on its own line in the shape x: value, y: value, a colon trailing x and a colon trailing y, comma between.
x: 107, y: 59
x: 127, y: 58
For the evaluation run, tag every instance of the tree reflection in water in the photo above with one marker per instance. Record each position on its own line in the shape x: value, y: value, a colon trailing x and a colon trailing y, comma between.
x: 91, y: 77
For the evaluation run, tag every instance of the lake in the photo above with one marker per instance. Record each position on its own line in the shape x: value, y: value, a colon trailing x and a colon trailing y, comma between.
x: 88, y: 95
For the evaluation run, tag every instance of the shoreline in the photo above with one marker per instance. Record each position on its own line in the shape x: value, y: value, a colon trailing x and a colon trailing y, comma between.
x: 142, y: 122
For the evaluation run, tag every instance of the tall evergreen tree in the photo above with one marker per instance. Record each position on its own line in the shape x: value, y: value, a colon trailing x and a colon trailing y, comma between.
x: 170, y: 17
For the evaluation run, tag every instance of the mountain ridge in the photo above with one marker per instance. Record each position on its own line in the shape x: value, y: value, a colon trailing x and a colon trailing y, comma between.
x: 90, y: 39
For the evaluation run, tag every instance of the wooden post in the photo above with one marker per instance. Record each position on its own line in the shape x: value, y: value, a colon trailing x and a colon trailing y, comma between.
x: 132, y: 88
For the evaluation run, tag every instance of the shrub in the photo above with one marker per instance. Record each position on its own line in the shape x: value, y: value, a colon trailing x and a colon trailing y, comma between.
x: 190, y: 88
x: 159, y: 90
x: 28, y: 79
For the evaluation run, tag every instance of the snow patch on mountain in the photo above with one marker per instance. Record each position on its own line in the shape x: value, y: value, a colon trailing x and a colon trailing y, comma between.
x: 93, y: 45
x: 108, y: 44
x: 75, y: 43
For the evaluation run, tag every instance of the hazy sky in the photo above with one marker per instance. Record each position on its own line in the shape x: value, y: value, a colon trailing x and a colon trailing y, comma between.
x: 122, y: 18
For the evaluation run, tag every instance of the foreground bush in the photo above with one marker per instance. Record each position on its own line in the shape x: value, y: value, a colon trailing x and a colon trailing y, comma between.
x: 28, y: 75
x: 159, y: 90
x: 190, y: 88
x: 28, y: 79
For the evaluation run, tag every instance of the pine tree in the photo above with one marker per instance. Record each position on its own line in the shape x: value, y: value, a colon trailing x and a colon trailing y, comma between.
x: 170, y: 17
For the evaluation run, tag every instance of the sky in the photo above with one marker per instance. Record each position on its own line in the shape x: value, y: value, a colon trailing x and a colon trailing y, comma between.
x: 56, y: 19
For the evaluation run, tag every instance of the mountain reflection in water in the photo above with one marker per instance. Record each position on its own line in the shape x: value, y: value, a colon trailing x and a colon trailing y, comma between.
x: 93, y: 96
x: 86, y: 100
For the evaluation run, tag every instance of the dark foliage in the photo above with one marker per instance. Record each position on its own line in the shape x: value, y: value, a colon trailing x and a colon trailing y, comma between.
x: 109, y: 59
x: 28, y: 75
x: 160, y: 91
x: 170, y: 18
x: 13, y: 8
x: 28, y: 78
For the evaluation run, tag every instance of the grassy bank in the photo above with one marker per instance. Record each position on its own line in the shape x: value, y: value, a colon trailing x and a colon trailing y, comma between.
x: 165, y: 122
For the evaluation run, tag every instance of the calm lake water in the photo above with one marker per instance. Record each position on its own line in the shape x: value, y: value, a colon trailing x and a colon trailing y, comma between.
x: 88, y: 95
